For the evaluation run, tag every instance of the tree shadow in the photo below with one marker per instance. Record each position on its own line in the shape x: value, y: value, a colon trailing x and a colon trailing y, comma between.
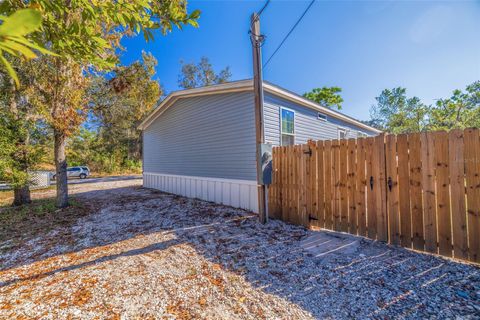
x: 371, y: 281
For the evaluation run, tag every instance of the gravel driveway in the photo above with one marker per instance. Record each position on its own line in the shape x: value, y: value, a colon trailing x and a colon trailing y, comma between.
x: 145, y: 254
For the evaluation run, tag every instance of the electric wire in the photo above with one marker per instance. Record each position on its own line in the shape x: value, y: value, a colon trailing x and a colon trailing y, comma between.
x: 289, y: 33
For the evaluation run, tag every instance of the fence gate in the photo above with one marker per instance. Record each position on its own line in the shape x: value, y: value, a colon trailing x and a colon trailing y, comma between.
x: 419, y: 190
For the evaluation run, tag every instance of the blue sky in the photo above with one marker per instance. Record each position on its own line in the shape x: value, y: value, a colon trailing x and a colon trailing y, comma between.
x: 429, y: 47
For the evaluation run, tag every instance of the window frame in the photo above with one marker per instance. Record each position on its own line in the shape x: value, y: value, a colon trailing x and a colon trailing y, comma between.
x: 281, y: 131
x: 322, y: 116
x: 344, y: 130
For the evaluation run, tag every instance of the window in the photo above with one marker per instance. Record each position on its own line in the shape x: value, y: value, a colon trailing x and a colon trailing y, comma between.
x: 361, y: 135
x: 321, y: 116
x: 287, y: 124
x: 342, y: 133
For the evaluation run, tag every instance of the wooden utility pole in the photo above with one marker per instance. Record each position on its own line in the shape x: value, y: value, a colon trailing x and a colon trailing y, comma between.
x: 257, y: 40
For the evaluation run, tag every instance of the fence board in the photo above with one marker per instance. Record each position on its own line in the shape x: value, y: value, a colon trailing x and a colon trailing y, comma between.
x: 392, y: 191
x: 360, y: 186
x: 336, y: 181
x: 303, y: 172
x: 320, y: 185
x: 371, y: 194
x: 329, y: 188
x: 381, y: 188
x: 343, y: 185
x: 313, y: 184
x: 351, y: 189
x: 428, y: 183
x: 414, y: 143
x: 457, y: 189
x: 443, y: 193
x: 404, y: 191
x: 472, y: 173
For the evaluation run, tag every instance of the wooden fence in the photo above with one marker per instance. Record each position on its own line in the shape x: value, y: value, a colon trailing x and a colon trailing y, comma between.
x: 419, y: 190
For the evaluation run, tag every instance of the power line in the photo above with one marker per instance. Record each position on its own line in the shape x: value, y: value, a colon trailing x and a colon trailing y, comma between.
x: 263, y: 8
x: 289, y: 32
x: 258, y: 15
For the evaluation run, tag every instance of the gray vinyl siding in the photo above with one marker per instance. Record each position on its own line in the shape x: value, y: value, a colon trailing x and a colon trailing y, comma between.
x: 307, y: 126
x: 205, y: 136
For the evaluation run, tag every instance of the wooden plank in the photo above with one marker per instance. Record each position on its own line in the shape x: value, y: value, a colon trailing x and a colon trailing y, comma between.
x: 296, y: 185
x: 336, y: 184
x: 343, y: 185
x: 457, y: 189
x: 313, y: 184
x: 392, y: 189
x: 285, y: 184
x: 360, y: 187
x: 472, y: 173
x: 371, y: 195
x: 291, y: 166
x: 303, y: 179
x: 307, y: 159
x: 404, y: 191
x: 329, y: 188
x: 320, y: 184
x: 351, y: 186
x: 442, y: 181
x: 428, y: 183
x: 380, y: 187
x: 416, y: 204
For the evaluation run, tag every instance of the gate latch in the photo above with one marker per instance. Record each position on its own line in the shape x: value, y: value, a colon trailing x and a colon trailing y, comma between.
x: 390, y: 183
x: 371, y: 182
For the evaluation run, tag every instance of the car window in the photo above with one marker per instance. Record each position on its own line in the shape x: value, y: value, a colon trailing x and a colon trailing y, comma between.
x: 73, y: 169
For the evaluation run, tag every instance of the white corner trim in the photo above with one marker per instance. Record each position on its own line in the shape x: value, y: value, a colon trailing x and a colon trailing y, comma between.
x: 231, y: 192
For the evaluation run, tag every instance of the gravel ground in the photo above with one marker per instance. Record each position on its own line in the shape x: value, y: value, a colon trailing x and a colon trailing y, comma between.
x: 146, y: 254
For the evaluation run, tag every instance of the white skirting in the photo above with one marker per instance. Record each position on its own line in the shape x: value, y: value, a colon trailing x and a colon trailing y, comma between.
x: 231, y: 192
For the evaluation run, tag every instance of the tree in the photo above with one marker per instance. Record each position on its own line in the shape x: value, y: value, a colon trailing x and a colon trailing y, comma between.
x: 461, y: 110
x: 326, y: 96
x: 22, y: 129
x: 202, y: 74
x: 86, y: 35
x: 396, y: 113
x: 119, y: 104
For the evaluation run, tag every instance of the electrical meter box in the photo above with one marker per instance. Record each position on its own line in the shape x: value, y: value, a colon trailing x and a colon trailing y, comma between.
x: 265, y: 163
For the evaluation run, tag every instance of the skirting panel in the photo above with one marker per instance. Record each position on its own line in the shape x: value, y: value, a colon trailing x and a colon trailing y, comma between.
x: 235, y: 193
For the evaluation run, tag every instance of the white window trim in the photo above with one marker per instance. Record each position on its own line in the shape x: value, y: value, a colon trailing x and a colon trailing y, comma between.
x: 280, y: 123
x: 340, y: 129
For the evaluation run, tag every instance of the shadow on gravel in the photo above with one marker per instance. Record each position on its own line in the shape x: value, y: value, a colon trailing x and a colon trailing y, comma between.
x: 372, y: 281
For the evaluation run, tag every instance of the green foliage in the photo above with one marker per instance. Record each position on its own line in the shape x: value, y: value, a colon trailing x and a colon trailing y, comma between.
x: 202, y: 74
x: 461, y: 110
x: 396, y: 113
x: 326, y: 96
x: 89, y: 32
x: 22, y: 130
x: 13, y: 32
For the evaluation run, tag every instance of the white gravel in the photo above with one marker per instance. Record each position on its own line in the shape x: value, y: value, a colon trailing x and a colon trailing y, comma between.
x: 146, y: 254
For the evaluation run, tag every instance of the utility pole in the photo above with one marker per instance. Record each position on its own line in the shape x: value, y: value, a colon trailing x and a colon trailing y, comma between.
x: 257, y: 40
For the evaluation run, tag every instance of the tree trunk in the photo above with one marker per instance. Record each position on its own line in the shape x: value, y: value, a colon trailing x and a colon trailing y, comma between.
x: 21, y: 195
x: 61, y: 169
